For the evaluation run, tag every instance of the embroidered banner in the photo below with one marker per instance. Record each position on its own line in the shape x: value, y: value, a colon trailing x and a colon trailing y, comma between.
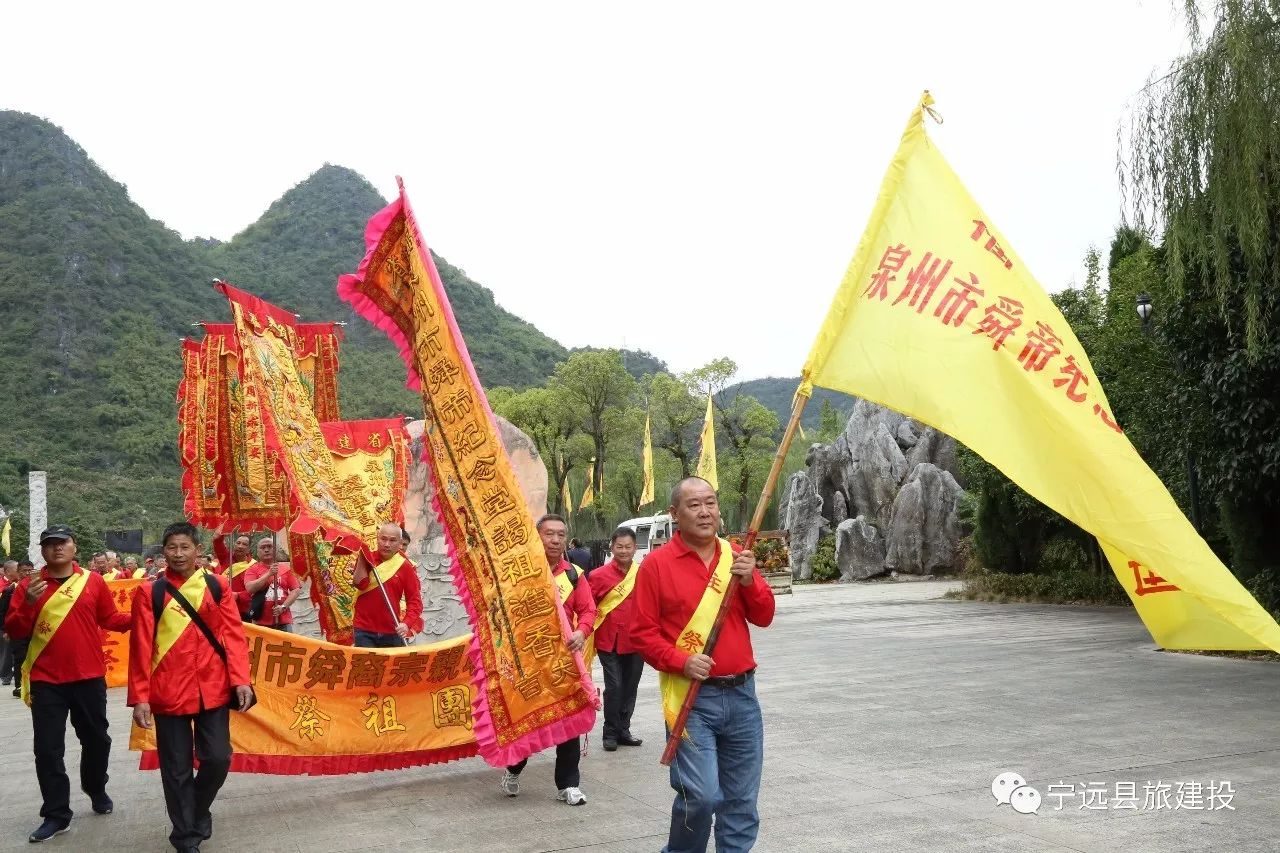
x: 231, y: 478
x: 372, y: 461
x: 115, y: 646
x: 316, y: 352
x: 326, y: 709
x: 530, y: 691
x: 277, y: 404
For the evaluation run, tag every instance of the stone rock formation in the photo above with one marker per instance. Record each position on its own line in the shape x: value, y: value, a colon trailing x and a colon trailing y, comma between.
x: 886, y: 488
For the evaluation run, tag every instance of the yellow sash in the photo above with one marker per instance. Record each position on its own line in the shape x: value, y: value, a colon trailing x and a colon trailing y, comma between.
x: 615, y: 597
x: 174, y: 619
x: 49, y: 621
x: 237, y: 568
x: 693, y: 639
x: 384, y: 571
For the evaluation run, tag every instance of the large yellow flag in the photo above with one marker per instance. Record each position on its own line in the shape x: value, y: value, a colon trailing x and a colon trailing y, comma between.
x: 938, y: 318
x: 646, y: 493
x: 8, y: 526
x: 707, y: 459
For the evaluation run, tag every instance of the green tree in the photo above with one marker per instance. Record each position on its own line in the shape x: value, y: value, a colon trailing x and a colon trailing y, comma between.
x: 750, y: 431
x: 829, y: 425
x: 593, y: 384
x: 676, y: 416
x: 1202, y: 164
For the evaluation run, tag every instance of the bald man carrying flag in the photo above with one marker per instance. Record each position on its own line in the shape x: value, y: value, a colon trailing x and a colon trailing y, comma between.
x: 380, y: 590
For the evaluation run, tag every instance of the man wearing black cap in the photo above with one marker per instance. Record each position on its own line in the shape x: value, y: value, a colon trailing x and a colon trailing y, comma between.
x: 63, y: 610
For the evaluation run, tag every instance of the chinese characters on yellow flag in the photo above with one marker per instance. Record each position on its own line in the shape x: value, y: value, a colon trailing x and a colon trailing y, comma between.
x: 530, y: 692
x: 938, y: 318
x: 329, y: 709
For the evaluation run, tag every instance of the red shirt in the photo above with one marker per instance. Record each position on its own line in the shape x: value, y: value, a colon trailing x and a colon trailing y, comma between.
x: 614, y: 634
x: 371, y: 609
x: 285, y: 583
x: 580, y: 609
x: 191, y: 676
x: 666, y: 594
x: 74, y: 652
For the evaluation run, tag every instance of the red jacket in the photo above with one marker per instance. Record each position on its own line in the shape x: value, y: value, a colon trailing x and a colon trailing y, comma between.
x: 371, y: 612
x: 286, y: 582
x: 74, y: 653
x: 666, y: 594
x: 190, y: 676
x: 614, y: 634
x: 581, y: 606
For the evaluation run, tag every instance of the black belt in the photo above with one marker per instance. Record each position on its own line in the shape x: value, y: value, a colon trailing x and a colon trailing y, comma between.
x: 728, y: 680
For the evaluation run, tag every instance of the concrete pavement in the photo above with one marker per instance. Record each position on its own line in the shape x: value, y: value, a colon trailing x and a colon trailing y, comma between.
x: 888, y: 713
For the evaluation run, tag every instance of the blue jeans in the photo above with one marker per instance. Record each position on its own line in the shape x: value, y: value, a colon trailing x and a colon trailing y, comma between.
x: 373, y: 640
x: 716, y: 772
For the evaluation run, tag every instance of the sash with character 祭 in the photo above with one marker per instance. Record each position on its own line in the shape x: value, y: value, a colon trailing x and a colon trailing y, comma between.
x: 55, y: 610
x: 693, y: 639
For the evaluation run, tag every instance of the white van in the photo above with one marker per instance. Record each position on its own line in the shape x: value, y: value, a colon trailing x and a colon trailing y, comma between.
x: 651, y: 531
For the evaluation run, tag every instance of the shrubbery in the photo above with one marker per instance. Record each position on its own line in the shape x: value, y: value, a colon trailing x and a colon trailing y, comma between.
x: 824, y: 561
x: 1064, y: 587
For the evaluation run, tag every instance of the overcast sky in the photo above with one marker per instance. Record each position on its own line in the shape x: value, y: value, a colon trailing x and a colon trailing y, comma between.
x: 687, y: 178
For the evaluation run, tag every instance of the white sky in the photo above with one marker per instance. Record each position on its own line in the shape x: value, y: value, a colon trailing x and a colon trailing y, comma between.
x: 686, y: 178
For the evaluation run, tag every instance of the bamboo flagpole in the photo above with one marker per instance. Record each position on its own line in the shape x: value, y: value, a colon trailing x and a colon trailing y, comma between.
x: 677, y: 730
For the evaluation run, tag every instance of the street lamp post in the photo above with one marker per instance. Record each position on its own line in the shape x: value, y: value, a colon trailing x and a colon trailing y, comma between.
x: 1144, y: 308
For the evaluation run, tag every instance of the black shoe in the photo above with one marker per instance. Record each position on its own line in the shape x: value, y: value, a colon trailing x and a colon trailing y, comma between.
x: 17, y: 693
x: 204, y: 826
x: 610, y: 745
x: 6, y: 681
x: 102, y: 804
x: 628, y: 740
x: 48, y: 830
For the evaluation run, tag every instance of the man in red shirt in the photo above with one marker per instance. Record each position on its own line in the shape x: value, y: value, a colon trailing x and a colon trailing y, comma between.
x: 716, y: 771
x: 579, y: 606
x: 8, y: 579
x: 63, y: 610
x: 619, y: 657
x: 184, y: 684
x: 379, y: 592
x: 280, y: 584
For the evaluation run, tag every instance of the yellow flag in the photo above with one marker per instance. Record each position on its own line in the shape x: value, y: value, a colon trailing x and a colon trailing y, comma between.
x: 938, y: 318
x: 589, y: 496
x: 566, y: 498
x: 4, y: 535
x: 707, y: 459
x: 646, y: 494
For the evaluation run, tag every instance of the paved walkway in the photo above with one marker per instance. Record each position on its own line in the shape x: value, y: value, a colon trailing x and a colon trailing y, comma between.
x: 888, y: 713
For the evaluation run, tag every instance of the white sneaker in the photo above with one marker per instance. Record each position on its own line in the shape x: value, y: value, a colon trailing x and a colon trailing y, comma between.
x: 510, y: 784
x: 572, y: 796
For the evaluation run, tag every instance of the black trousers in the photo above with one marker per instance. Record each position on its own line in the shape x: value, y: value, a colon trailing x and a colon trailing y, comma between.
x: 6, y: 660
x: 621, y: 680
x: 86, y: 703
x: 188, y: 794
x: 567, y: 755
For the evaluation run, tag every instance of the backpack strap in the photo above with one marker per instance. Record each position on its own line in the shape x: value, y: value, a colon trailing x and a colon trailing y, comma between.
x: 572, y: 572
x: 161, y: 585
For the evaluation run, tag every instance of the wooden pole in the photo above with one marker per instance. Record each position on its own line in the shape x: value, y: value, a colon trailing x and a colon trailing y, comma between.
x: 762, y: 506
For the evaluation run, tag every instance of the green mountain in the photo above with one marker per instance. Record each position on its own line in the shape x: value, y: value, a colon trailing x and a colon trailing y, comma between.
x: 777, y: 393
x: 97, y: 295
